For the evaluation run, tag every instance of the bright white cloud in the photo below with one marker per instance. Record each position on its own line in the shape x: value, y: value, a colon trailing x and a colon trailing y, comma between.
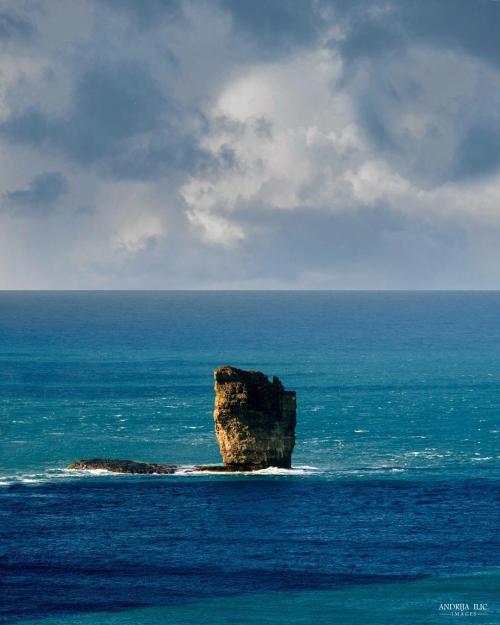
x: 295, y: 132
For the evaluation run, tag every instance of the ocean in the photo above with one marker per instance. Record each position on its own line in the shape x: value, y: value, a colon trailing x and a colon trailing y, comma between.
x: 391, y: 511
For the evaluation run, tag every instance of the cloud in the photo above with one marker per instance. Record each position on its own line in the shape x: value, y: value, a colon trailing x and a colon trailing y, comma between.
x: 421, y: 111
x: 335, y: 246
x: 277, y: 143
x: 479, y: 151
x: 120, y: 119
x: 39, y: 197
x: 15, y: 27
x: 380, y: 27
x: 330, y: 190
x: 146, y: 14
x: 276, y: 152
x: 276, y: 26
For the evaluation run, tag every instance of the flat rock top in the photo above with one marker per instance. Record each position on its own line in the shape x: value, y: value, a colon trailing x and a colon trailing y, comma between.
x: 226, y: 373
x: 233, y: 380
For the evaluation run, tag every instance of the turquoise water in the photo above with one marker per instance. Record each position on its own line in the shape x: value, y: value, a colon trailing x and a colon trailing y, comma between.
x: 390, y: 510
x: 398, y: 604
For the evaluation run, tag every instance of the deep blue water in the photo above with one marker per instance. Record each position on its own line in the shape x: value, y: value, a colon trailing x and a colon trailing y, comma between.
x: 392, y: 507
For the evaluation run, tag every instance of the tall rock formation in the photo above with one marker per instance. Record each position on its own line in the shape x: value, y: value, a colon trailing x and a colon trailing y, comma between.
x: 254, y: 423
x: 254, y: 419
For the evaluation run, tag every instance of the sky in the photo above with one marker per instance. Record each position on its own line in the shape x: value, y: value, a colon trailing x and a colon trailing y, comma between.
x: 249, y: 144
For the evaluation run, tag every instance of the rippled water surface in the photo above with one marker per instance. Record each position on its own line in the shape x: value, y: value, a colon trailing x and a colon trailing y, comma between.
x: 393, y: 501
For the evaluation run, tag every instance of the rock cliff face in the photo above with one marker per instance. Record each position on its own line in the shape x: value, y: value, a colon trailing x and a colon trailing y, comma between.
x: 254, y: 420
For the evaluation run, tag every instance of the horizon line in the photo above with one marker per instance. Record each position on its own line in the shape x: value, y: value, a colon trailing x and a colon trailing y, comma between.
x: 222, y: 290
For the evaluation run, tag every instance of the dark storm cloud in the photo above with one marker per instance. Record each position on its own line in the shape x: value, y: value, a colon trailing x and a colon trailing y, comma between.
x: 15, y: 27
x: 368, y: 37
x: 479, y: 152
x: 39, y: 197
x: 378, y: 27
x: 276, y: 25
x: 373, y: 27
x: 380, y: 35
x: 470, y: 26
x: 370, y: 247
x: 465, y: 124
x: 376, y: 237
x: 147, y: 12
x: 119, y: 119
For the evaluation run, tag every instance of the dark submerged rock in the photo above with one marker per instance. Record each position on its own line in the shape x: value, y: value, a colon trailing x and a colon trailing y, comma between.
x: 254, y: 420
x: 122, y: 466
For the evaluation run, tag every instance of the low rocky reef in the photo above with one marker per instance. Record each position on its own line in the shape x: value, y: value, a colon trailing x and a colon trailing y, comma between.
x: 121, y: 466
x: 255, y: 422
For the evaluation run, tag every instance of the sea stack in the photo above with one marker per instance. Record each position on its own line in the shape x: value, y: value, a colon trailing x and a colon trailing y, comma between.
x: 254, y: 420
x: 254, y: 424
